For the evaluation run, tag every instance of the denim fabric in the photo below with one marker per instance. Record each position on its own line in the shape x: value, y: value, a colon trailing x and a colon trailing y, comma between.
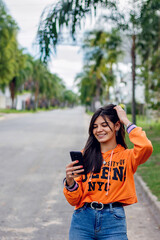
x: 106, y: 224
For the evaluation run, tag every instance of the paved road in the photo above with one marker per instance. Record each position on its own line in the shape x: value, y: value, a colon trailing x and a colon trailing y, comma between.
x: 34, y: 150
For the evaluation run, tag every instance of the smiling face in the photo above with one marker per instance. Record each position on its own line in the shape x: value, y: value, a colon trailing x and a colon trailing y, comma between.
x: 105, y: 131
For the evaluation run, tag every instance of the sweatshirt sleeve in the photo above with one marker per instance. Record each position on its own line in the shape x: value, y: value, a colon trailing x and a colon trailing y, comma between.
x: 74, y: 197
x: 142, y: 147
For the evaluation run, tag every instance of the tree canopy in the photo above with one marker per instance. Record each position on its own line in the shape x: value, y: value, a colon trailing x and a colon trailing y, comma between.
x: 8, y: 46
x: 149, y: 50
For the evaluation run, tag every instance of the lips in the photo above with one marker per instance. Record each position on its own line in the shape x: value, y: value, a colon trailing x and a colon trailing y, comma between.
x: 101, y: 135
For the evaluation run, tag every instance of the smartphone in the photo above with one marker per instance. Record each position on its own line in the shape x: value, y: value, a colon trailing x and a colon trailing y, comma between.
x: 75, y: 155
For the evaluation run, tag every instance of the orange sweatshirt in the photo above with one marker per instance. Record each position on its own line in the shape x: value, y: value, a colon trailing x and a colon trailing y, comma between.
x: 115, y: 182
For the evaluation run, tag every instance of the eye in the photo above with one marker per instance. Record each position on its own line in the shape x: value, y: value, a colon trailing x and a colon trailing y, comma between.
x: 94, y: 126
x: 105, y: 125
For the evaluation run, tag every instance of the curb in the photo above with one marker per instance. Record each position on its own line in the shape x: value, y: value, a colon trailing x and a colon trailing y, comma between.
x: 2, y: 118
x: 151, y: 199
x: 7, y: 116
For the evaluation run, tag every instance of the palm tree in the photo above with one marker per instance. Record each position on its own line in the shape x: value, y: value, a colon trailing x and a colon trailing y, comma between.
x: 68, y: 13
x: 8, y: 46
x: 149, y: 50
x: 19, y: 73
x: 39, y: 76
x: 100, y: 54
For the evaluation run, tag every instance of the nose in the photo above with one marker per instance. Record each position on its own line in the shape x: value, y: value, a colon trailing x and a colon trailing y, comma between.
x: 99, y: 128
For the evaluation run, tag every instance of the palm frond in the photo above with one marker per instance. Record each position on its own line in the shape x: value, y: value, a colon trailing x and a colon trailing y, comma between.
x: 66, y: 13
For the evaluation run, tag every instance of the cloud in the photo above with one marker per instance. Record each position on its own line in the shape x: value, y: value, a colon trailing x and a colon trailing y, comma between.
x: 67, y: 63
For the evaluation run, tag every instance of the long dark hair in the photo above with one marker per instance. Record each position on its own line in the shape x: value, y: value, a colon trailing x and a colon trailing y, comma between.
x: 92, y: 151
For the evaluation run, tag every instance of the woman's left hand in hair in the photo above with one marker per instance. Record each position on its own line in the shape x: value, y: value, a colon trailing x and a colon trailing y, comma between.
x: 122, y: 115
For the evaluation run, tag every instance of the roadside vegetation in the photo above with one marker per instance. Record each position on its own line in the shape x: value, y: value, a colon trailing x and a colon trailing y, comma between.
x: 10, y: 110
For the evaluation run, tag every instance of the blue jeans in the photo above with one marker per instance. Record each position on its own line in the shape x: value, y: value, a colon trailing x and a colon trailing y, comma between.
x: 105, y: 224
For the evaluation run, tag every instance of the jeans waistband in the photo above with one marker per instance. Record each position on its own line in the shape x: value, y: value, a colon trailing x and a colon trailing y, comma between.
x: 99, y: 206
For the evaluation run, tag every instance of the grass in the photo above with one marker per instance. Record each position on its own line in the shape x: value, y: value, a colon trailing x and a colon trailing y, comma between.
x: 26, y: 111
x: 150, y: 170
x: 14, y: 111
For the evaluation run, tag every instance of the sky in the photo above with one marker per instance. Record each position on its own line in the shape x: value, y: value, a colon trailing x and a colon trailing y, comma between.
x: 68, y: 60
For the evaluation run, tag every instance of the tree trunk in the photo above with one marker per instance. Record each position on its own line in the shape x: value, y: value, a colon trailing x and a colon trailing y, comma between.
x: 133, y: 56
x: 98, y: 94
x: 107, y: 94
x: 12, y: 87
x: 98, y: 89
x: 36, y: 95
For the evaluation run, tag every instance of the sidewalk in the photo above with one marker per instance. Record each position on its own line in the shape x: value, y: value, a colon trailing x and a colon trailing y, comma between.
x: 141, y: 222
x: 151, y: 199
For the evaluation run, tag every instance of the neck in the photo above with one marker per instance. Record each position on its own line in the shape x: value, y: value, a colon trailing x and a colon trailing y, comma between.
x: 105, y: 147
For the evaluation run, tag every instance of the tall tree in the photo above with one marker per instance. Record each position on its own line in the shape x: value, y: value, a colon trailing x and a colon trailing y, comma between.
x: 101, y: 52
x: 149, y: 50
x: 19, y: 73
x: 39, y: 76
x: 12, y: 59
x: 127, y: 20
x: 8, y: 46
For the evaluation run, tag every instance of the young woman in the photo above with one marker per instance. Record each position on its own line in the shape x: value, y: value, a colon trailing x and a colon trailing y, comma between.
x: 99, y: 195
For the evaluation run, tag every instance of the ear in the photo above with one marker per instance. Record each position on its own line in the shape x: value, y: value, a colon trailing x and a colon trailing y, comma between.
x: 117, y: 125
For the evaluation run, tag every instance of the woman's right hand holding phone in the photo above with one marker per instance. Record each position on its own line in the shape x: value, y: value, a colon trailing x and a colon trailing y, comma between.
x: 73, y: 172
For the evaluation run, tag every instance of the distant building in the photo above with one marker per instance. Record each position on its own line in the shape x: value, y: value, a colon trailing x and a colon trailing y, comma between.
x: 5, y: 100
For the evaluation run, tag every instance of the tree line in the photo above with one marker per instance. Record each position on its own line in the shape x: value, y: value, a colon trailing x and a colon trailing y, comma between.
x: 22, y: 72
x: 139, y: 22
